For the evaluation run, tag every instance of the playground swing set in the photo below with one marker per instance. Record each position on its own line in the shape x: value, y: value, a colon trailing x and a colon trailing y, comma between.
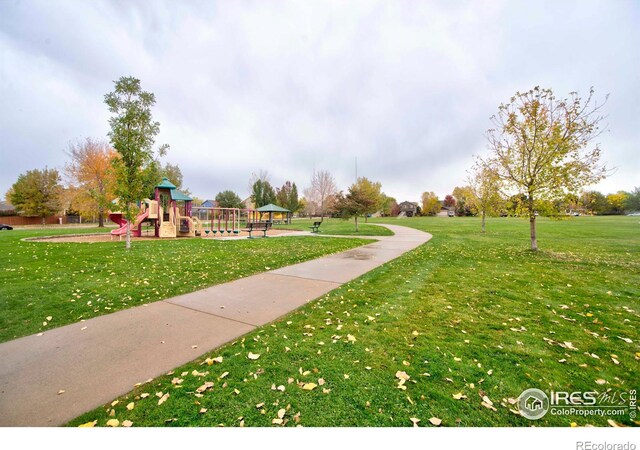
x: 171, y: 215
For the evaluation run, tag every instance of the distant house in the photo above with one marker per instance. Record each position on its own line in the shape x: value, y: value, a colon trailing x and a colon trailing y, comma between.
x: 408, y: 209
x: 7, y: 209
x: 248, y: 203
x: 445, y: 210
x: 209, y: 204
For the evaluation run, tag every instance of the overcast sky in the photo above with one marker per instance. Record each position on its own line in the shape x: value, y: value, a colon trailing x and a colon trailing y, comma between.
x: 406, y: 87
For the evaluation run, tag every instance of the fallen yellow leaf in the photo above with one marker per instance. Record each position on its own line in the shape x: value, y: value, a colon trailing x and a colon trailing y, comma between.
x: 113, y: 422
x: 163, y: 399
x: 88, y: 424
x: 435, y: 421
x: 402, y: 375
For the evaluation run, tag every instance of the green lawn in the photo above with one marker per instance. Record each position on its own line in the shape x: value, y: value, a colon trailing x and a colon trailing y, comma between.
x: 73, y: 281
x: 466, y: 315
x: 338, y: 227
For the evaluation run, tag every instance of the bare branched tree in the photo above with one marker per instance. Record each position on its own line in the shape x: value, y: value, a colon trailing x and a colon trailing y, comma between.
x: 322, y: 189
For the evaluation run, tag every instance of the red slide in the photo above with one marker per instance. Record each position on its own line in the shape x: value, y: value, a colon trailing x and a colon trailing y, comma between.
x: 122, y: 222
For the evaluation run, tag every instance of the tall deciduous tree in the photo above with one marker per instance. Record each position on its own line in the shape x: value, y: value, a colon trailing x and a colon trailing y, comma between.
x: 371, y: 191
x: 463, y: 195
x: 322, y: 190
x: 539, y: 146
x: 633, y: 200
x: 485, y: 187
x: 173, y: 174
x: 37, y: 193
x: 387, y: 204
x: 617, y: 202
x: 91, y: 175
x: 132, y: 135
x: 430, y: 204
x: 359, y: 200
x: 229, y: 199
x: 449, y: 201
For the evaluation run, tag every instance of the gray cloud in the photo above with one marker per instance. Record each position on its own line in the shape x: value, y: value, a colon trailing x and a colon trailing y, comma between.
x: 407, y: 87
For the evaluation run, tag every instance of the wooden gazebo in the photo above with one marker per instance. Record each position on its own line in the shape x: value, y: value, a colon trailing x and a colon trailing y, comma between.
x: 271, y: 209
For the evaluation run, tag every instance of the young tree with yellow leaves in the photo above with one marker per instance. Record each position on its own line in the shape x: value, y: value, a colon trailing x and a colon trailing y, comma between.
x: 485, y: 198
x: 430, y: 204
x: 540, y: 146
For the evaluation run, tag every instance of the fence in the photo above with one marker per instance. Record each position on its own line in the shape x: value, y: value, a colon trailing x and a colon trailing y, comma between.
x: 21, y: 220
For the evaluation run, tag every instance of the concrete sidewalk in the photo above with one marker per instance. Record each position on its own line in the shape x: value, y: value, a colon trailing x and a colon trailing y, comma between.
x: 95, y: 361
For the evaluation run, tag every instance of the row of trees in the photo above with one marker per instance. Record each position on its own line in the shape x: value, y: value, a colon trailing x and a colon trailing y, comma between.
x: 85, y: 187
x: 484, y: 194
x: 321, y: 198
x: 263, y: 193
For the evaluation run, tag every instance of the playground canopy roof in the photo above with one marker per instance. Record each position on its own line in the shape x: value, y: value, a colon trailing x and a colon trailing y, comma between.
x: 177, y: 195
x: 166, y: 184
x: 272, y: 208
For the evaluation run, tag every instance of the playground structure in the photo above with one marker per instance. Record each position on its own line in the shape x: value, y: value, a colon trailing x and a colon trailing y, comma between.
x: 172, y: 215
x: 169, y: 213
x: 225, y: 220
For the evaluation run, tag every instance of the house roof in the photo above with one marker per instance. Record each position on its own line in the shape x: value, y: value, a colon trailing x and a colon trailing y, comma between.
x: 6, y: 206
x: 272, y: 208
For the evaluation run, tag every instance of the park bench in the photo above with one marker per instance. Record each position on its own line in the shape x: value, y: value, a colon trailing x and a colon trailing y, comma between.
x: 315, y: 227
x: 257, y: 226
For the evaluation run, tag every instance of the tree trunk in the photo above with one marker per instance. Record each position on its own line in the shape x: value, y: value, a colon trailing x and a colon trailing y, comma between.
x: 366, y: 218
x: 44, y: 220
x: 356, y: 216
x: 483, y: 217
x: 532, y: 224
x: 127, y: 244
x: 100, y: 218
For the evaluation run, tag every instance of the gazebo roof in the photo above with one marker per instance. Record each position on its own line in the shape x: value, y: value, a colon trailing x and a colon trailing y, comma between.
x: 272, y: 208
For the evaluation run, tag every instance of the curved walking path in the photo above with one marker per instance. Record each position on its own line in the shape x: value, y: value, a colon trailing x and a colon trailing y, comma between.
x: 99, y: 359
